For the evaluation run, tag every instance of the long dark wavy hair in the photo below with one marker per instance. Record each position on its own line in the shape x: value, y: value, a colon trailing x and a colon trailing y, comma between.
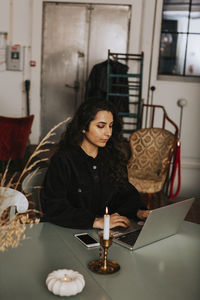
x: 114, y: 156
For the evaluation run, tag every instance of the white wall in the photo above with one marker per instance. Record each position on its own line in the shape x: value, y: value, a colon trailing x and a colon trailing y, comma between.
x: 167, y: 93
x: 15, y: 19
x: 22, y: 19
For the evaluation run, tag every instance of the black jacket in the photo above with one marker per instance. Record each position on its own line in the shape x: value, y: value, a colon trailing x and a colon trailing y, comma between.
x: 75, y: 193
x: 96, y: 85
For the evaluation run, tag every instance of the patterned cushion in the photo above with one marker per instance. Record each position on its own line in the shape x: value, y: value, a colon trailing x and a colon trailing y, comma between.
x: 151, y: 149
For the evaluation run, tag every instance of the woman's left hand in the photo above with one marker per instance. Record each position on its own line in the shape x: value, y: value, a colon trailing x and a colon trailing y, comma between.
x: 142, y: 214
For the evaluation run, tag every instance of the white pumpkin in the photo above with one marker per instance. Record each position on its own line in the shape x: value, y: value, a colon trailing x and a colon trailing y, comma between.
x: 65, y: 282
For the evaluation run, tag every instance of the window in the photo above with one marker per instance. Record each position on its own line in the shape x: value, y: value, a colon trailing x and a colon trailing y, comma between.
x: 180, y: 38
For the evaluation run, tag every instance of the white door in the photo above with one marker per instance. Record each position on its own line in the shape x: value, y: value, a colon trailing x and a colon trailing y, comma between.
x: 75, y: 37
x: 109, y: 29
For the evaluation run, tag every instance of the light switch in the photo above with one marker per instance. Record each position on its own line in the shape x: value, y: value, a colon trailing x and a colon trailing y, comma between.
x: 15, y: 58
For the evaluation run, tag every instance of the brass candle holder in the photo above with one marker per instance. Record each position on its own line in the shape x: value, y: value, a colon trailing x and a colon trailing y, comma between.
x: 103, y: 265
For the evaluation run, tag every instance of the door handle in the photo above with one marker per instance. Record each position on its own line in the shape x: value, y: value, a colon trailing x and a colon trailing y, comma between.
x: 76, y: 85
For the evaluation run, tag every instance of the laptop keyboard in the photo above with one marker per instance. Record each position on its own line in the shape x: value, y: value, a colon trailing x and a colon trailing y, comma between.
x: 130, y: 238
x: 119, y: 229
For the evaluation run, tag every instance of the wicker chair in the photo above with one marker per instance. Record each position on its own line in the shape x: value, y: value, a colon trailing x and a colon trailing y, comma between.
x: 32, y: 184
x: 153, y: 151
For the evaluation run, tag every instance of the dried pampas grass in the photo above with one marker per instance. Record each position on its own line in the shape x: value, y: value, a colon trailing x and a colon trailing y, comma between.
x: 45, y: 141
x: 12, y: 231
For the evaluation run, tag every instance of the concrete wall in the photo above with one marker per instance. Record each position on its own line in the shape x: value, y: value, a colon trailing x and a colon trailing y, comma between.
x: 22, y: 19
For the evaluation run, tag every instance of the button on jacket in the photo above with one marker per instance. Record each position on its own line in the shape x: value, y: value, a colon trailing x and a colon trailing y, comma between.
x: 75, y: 191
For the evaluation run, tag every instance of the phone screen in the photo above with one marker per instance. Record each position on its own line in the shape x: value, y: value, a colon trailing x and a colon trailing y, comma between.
x: 87, y: 239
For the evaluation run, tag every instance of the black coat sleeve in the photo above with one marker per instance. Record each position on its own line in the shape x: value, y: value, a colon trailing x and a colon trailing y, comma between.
x: 57, y: 200
x: 127, y: 202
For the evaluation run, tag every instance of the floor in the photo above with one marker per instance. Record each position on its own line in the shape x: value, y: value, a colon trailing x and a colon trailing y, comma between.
x: 161, y: 200
x: 194, y: 213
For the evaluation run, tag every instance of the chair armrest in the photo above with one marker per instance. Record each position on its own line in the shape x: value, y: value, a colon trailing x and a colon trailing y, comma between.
x: 10, y: 197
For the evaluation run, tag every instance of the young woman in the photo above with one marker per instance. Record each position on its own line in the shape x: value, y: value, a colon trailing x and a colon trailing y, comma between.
x: 89, y: 172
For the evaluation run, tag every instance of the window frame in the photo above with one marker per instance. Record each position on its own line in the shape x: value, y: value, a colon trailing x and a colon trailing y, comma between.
x: 187, y: 34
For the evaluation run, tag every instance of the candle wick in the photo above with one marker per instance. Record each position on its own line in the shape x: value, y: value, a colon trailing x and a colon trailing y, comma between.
x: 67, y: 278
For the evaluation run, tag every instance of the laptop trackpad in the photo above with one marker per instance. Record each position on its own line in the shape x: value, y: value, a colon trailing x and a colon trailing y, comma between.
x: 129, y: 238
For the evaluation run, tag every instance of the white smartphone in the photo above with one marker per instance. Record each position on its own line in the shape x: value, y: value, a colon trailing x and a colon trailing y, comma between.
x: 87, y: 240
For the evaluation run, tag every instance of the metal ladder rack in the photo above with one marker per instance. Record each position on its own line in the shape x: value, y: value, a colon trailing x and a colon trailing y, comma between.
x: 131, y: 83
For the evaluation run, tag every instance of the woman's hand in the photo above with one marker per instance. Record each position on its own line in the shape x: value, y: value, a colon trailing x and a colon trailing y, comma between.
x: 142, y: 214
x: 115, y: 220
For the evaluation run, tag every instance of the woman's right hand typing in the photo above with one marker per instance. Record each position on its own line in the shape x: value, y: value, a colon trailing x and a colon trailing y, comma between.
x: 115, y: 220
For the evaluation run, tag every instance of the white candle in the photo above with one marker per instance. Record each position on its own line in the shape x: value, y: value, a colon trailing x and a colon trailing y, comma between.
x: 106, y: 230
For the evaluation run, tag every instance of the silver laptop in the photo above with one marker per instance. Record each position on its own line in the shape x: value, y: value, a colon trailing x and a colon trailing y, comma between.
x: 161, y: 223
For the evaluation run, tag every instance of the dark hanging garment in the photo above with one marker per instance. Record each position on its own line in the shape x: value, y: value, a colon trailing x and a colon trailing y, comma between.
x: 96, y: 85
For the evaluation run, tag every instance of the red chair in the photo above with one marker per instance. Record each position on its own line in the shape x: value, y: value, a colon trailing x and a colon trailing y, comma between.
x: 14, y: 134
